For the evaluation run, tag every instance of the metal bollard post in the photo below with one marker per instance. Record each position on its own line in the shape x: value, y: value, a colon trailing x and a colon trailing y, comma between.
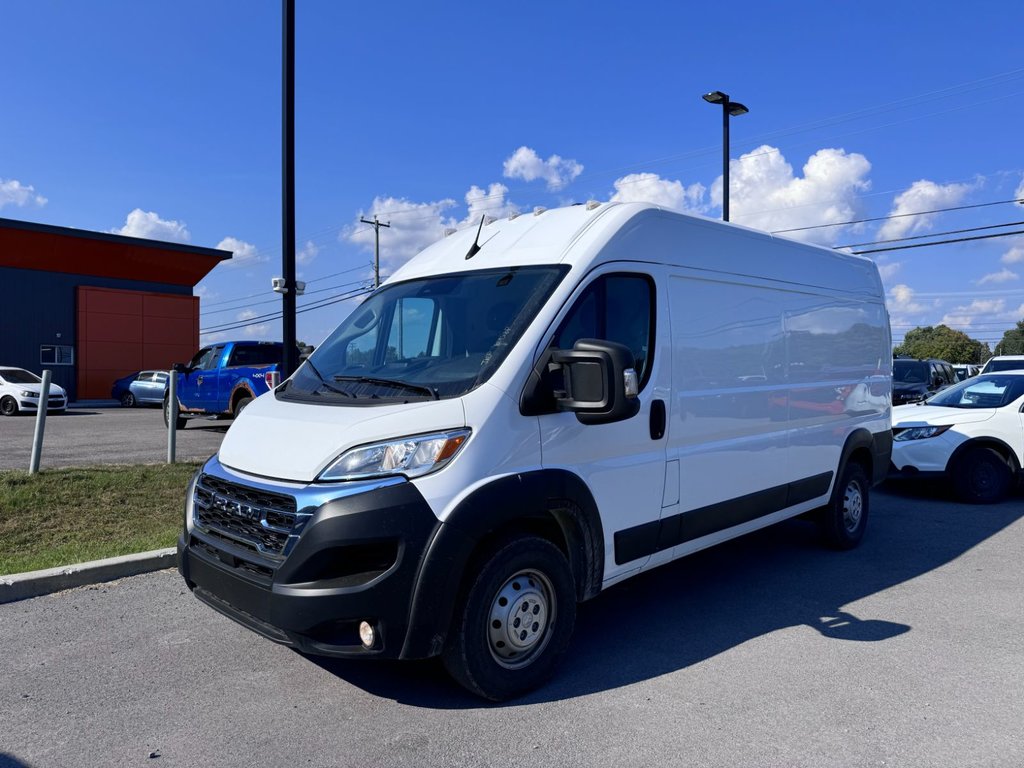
x: 37, y: 440
x: 172, y: 414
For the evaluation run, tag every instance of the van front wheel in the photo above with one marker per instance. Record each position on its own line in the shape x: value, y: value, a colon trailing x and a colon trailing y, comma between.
x: 844, y: 519
x: 514, y: 622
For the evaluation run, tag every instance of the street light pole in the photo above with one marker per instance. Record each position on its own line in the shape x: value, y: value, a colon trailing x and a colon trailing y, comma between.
x: 729, y: 109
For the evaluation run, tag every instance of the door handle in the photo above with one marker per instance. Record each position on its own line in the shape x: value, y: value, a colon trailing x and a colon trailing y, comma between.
x: 657, y: 419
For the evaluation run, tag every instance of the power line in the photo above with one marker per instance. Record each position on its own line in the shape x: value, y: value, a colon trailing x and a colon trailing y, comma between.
x: 940, y: 242
x: 276, y: 316
x: 898, y: 216
x: 275, y: 300
x: 931, y: 234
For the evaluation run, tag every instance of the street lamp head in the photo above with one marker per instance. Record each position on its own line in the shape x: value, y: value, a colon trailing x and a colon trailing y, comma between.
x: 736, y: 109
x: 715, y: 97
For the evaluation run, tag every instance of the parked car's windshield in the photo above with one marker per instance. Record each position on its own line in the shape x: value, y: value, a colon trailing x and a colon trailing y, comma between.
x: 909, y: 371
x: 429, y: 338
x: 17, y: 376
x: 986, y: 391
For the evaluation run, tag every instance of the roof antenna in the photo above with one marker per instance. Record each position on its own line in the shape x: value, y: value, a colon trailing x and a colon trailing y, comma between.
x: 475, y: 247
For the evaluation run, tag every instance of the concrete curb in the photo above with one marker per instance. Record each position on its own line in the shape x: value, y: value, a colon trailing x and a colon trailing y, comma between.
x: 21, y: 586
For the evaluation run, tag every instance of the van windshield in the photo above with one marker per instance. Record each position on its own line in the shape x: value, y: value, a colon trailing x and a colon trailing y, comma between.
x: 430, y: 338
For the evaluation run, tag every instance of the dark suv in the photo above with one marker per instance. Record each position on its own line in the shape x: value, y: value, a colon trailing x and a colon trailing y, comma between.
x: 915, y: 380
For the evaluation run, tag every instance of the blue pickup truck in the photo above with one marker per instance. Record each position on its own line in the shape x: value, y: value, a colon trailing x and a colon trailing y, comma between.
x: 223, y: 378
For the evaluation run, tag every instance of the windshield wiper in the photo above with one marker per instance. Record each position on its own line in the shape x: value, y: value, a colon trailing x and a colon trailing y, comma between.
x: 391, y: 383
x: 323, y: 381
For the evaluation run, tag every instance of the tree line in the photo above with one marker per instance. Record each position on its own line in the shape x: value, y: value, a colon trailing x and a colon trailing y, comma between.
x: 945, y: 343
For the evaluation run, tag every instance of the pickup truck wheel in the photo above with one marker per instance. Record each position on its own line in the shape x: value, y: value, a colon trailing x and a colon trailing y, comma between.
x: 179, y: 423
x: 240, y: 405
x: 8, y: 406
x: 513, y: 623
x: 128, y: 400
x: 981, y: 476
x: 845, y: 517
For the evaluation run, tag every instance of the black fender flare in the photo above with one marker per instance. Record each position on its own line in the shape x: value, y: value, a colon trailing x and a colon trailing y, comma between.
x: 878, y: 444
x: 982, y: 442
x: 544, y: 497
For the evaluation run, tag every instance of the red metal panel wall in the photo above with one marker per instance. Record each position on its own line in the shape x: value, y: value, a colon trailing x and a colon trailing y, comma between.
x: 124, y: 331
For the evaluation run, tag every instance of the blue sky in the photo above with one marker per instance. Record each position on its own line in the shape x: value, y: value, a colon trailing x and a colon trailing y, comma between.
x: 162, y: 119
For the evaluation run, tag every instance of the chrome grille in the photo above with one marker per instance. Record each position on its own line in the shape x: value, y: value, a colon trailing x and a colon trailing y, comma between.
x: 256, y: 519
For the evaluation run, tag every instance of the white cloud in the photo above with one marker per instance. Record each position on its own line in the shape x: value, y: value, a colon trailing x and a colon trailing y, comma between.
x: 246, y: 314
x: 965, y: 315
x: 203, y: 292
x: 148, y: 224
x: 307, y: 253
x: 414, y: 226
x: 13, y: 192
x: 490, y: 202
x: 1019, y: 194
x: 888, y: 271
x: 243, y: 254
x: 922, y: 195
x: 556, y: 171
x: 651, y: 188
x: 764, y: 193
x: 1016, y: 253
x: 901, y: 299
x: 1002, y: 276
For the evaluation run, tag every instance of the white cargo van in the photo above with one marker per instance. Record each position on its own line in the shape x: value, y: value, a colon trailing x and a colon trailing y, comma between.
x: 531, y: 411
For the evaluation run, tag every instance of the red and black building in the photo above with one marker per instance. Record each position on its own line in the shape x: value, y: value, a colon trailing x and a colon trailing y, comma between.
x: 93, y: 307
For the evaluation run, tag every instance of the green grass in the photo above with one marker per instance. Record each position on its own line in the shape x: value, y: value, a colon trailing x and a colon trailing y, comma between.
x: 67, y: 516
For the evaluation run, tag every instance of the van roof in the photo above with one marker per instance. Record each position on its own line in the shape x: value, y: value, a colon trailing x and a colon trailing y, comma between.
x: 575, y: 235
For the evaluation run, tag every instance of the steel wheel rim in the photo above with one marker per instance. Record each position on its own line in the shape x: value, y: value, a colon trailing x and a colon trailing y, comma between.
x: 520, y: 619
x: 983, y: 476
x: 853, y: 506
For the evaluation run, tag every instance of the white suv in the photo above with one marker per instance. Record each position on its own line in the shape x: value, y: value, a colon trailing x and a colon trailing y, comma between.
x: 972, y: 432
x: 20, y: 390
x: 1004, y: 363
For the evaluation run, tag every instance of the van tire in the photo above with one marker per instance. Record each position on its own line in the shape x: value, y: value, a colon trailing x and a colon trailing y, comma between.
x: 179, y: 423
x: 527, y: 576
x: 845, y: 518
x: 981, y: 476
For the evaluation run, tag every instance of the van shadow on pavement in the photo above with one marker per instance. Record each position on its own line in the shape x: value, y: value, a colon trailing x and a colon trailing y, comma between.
x: 694, y: 609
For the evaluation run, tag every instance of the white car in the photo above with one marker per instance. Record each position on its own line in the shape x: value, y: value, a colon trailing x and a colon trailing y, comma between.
x: 1004, y: 363
x: 972, y: 432
x: 20, y: 390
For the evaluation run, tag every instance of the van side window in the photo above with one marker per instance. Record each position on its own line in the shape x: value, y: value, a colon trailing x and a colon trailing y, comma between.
x: 615, y: 308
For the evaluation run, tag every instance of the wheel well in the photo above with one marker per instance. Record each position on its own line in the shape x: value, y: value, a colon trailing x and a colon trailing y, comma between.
x: 562, y: 527
x: 863, y: 457
x: 239, y: 394
x: 983, y: 442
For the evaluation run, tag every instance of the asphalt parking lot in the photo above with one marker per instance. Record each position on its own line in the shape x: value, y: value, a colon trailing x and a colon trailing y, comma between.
x: 766, y: 651
x: 85, y: 436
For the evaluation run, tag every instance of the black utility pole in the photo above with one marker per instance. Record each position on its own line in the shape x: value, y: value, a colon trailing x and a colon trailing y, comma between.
x: 729, y: 109
x: 290, y: 358
x: 376, y: 246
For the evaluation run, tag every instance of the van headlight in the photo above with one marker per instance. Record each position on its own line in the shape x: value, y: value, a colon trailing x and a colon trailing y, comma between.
x: 918, y: 433
x: 410, y: 456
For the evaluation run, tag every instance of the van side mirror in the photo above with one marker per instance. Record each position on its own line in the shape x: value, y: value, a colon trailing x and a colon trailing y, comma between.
x: 595, y: 380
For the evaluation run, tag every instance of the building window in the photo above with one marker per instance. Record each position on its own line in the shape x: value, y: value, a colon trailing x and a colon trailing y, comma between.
x: 56, y: 354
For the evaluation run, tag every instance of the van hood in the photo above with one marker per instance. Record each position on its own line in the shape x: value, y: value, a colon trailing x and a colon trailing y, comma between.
x: 937, y: 416
x: 297, y: 441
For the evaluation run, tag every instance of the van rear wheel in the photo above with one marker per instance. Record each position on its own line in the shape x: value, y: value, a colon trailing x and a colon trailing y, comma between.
x: 845, y: 518
x: 514, y: 622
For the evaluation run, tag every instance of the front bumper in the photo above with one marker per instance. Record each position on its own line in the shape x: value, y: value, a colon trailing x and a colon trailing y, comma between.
x: 32, y: 404
x: 354, y: 557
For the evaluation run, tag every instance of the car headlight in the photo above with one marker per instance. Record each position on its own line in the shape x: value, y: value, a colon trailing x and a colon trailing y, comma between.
x: 918, y: 433
x: 26, y: 393
x: 410, y: 456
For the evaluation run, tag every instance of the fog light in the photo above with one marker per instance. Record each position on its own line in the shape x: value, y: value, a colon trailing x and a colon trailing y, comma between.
x: 366, y: 634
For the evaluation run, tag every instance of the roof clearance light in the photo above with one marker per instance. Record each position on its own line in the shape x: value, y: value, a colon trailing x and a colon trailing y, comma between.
x: 592, y: 204
x: 539, y: 210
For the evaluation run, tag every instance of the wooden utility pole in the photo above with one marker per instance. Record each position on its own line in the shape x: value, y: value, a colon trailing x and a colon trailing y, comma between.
x: 376, y: 246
